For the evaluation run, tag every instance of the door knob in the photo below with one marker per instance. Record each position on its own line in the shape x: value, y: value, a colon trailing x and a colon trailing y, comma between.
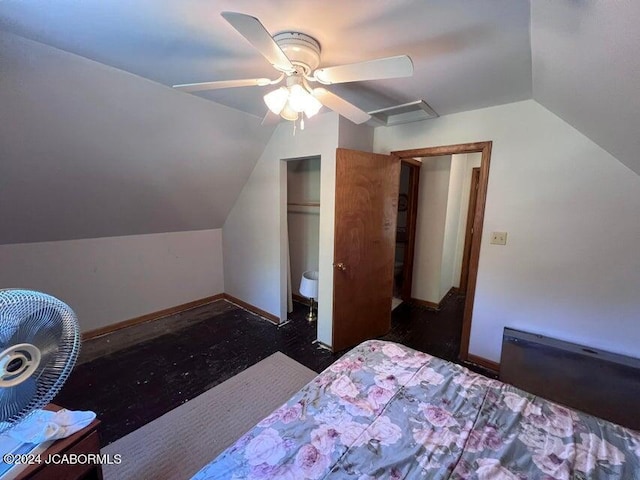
x: 340, y: 266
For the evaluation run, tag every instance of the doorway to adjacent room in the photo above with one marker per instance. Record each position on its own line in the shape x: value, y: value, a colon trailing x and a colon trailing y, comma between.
x: 440, y: 215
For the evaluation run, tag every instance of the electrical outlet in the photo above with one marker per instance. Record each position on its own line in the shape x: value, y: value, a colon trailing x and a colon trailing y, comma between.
x: 499, y: 238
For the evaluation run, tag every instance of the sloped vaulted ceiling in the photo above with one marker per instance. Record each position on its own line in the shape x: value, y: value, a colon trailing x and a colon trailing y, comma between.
x: 94, y: 143
x: 89, y: 151
x: 586, y: 69
x: 467, y: 54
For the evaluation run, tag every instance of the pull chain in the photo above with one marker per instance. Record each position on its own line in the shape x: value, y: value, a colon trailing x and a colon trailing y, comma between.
x: 295, y: 124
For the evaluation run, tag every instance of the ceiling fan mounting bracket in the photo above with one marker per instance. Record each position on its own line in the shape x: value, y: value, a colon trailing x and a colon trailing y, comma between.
x: 302, y: 50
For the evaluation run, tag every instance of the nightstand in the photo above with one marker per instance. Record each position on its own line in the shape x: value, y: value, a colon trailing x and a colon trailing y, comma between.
x: 86, y: 440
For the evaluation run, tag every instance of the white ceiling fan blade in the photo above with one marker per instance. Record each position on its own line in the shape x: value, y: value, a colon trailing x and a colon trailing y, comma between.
x: 389, y: 67
x: 197, y: 87
x: 258, y: 36
x: 340, y: 106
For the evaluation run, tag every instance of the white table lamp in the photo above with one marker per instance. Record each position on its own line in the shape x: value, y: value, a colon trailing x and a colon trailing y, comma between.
x: 309, y: 289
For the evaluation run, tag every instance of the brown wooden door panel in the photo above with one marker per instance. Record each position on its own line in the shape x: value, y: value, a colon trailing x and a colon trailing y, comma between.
x: 365, y: 231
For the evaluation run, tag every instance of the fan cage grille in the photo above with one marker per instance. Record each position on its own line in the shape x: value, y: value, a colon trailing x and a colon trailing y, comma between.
x: 25, y: 313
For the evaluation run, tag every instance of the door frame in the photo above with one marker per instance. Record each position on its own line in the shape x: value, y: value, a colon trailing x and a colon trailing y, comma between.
x: 468, y: 229
x: 412, y: 212
x: 476, y: 147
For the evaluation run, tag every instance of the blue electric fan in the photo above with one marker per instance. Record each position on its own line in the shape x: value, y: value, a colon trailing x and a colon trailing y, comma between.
x: 39, y: 346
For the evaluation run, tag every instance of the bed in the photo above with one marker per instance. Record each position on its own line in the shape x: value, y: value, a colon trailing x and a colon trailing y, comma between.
x: 387, y: 411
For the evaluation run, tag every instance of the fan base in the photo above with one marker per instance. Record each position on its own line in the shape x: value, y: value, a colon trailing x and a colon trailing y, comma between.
x: 301, y: 49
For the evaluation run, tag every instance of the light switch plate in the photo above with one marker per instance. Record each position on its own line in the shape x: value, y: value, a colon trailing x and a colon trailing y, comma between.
x: 499, y: 238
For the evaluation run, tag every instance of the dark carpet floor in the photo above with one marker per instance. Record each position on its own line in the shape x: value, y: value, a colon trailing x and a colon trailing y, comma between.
x: 131, y: 386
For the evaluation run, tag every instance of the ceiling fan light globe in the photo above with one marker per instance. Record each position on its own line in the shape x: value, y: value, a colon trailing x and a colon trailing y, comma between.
x: 313, y: 106
x: 289, y: 113
x: 298, y: 98
x: 276, y: 99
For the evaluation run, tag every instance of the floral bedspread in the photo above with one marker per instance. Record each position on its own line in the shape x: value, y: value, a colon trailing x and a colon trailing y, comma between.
x: 387, y: 411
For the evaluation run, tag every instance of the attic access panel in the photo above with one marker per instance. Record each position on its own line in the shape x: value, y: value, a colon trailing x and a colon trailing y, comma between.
x: 405, y: 113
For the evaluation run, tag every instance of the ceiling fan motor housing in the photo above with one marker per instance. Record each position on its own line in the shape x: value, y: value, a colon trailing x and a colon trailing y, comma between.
x: 302, y: 50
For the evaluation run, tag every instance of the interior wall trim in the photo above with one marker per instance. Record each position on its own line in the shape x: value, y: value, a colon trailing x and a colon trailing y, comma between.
x: 253, y: 309
x: 425, y: 303
x: 300, y: 299
x: 434, y: 305
x: 323, y: 345
x: 98, y: 332
x: 484, y: 362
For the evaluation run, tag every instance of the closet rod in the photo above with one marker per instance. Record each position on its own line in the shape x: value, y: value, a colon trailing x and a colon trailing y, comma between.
x: 305, y: 204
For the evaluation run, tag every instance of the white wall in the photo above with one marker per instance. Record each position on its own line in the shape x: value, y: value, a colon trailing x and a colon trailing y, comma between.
x: 571, y: 268
x: 303, y: 186
x: 108, y: 280
x: 90, y: 151
x: 255, y: 236
x: 452, y: 220
x: 442, y: 212
x: 430, y: 223
x: 470, y: 161
x: 354, y: 137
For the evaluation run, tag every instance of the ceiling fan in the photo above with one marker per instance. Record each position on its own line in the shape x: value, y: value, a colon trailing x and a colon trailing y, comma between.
x: 297, y: 57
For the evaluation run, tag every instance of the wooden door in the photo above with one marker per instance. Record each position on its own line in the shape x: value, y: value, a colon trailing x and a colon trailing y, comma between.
x: 471, y: 213
x: 366, y: 211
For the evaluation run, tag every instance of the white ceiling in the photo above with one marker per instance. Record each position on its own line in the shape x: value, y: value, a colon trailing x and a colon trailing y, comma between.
x: 586, y: 69
x: 468, y: 54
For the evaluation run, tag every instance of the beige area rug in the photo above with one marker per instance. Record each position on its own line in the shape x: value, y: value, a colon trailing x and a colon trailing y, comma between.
x: 182, y: 441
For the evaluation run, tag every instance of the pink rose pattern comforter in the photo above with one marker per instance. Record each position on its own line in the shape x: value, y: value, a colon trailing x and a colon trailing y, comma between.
x: 387, y: 411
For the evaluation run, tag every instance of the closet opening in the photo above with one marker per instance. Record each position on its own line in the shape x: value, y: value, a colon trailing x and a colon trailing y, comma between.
x: 303, y: 225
